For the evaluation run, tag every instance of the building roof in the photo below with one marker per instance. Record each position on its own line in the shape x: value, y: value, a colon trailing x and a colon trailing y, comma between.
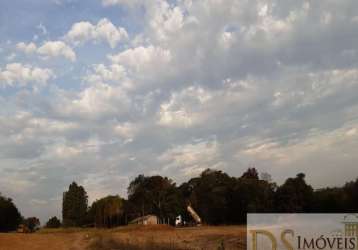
x: 143, y: 218
x: 350, y: 218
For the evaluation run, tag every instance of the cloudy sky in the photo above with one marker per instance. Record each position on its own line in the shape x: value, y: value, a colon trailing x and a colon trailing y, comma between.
x: 99, y: 91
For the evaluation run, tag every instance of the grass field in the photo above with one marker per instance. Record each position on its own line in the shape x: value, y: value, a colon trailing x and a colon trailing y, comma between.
x: 130, y: 237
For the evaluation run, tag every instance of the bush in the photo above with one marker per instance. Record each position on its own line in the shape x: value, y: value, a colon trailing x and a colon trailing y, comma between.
x: 53, y: 222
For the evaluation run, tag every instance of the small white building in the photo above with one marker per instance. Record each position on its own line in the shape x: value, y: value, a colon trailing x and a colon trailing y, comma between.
x: 350, y: 223
x: 145, y: 220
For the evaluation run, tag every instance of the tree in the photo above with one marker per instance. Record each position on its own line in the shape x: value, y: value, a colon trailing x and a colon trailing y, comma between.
x: 32, y: 223
x: 250, y: 195
x: 294, y: 196
x: 154, y: 195
x: 208, y: 194
x: 10, y: 217
x: 351, y: 191
x: 251, y: 173
x: 266, y: 177
x: 74, y: 206
x: 330, y: 200
x: 53, y: 222
x: 107, y: 212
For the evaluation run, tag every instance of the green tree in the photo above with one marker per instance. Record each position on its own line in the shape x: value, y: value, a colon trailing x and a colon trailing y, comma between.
x: 53, y: 222
x: 32, y: 223
x: 208, y: 194
x: 294, y: 196
x: 330, y: 200
x: 154, y: 195
x: 10, y: 217
x: 74, y: 206
x: 250, y: 195
x: 107, y: 212
x: 351, y: 192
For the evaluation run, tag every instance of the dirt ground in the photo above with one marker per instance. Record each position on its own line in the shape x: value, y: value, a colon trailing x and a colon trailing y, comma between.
x: 130, y: 237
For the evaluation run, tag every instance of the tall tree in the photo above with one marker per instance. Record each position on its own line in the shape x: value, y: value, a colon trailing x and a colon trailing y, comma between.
x: 154, y: 195
x: 108, y: 212
x: 208, y: 194
x: 10, y: 217
x: 294, y: 196
x: 74, y: 206
x: 250, y: 195
x: 351, y: 191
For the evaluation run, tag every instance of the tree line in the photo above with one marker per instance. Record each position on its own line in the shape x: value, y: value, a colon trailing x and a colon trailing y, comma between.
x: 217, y: 197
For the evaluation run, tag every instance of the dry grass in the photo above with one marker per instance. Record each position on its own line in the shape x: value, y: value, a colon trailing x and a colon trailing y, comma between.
x: 130, y: 237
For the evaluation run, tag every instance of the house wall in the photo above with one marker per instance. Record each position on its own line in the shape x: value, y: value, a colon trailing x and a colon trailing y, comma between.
x: 152, y: 220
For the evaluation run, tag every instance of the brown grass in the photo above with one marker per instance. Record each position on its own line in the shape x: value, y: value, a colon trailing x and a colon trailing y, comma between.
x: 158, y: 237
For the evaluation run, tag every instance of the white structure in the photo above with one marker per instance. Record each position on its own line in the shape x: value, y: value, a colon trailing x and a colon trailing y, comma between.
x: 145, y: 220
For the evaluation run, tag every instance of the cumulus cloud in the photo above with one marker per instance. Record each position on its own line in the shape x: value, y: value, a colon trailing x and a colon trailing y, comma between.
x: 103, y: 73
x: 184, y: 108
x: 55, y: 49
x: 95, y: 102
x: 104, y: 30
x: 142, y: 58
x: 145, y: 63
x: 27, y: 48
x: 17, y: 74
x: 48, y: 49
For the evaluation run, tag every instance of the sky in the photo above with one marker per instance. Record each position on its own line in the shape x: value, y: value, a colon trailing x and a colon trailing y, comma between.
x: 99, y: 91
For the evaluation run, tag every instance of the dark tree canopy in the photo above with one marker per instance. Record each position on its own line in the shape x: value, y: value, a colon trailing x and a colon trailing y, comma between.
x: 209, y: 195
x: 154, y: 195
x: 10, y: 217
x: 251, y: 173
x: 53, y: 222
x: 107, y: 212
x: 294, y: 196
x: 74, y: 206
x: 221, y: 199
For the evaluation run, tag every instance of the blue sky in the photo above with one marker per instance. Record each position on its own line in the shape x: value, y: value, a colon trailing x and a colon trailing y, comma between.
x: 100, y: 91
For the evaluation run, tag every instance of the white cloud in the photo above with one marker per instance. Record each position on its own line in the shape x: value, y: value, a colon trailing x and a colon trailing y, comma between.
x: 126, y: 130
x: 104, y: 30
x: 98, y: 100
x: 191, y: 159
x: 165, y: 20
x: 102, y: 73
x: 22, y: 75
x: 122, y: 2
x: 352, y: 132
x: 27, y: 48
x: 312, y: 153
x: 183, y: 109
x: 56, y: 48
x: 194, y: 105
x: 143, y: 59
x: 48, y: 49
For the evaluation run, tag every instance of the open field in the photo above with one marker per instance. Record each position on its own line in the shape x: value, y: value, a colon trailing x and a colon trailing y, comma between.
x: 129, y: 237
